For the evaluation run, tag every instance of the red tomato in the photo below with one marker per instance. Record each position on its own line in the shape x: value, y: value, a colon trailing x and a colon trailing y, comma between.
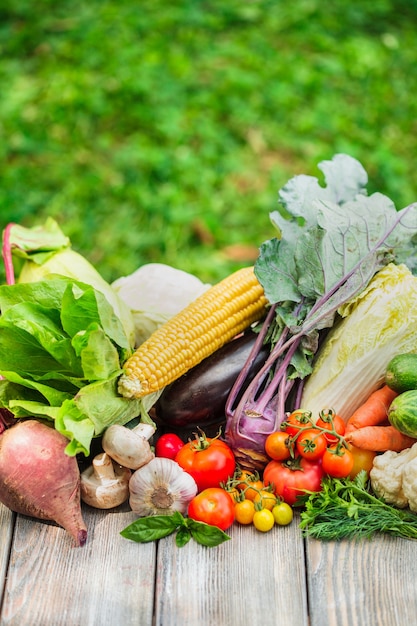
x: 168, y: 446
x: 291, y: 479
x: 213, y: 506
x: 311, y: 444
x: 210, y: 461
x: 296, y: 420
x: 337, y: 461
x: 329, y: 418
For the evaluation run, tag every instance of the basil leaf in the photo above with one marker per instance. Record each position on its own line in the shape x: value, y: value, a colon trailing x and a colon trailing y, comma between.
x: 183, y: 536
x: 150, y: 528
x: 178, y: 518
x: 206, y: 534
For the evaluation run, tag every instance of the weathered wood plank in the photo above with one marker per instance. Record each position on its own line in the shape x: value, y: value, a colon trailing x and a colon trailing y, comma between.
x: 252, y: 579
x: 6, y: 531
x: 371, y: 583
x: 51, y: 583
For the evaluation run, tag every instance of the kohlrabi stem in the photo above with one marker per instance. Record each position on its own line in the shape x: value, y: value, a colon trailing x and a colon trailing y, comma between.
x: 7, y: 255
x: 249, y: 396
x: 279, y: 375
x: 234, y: 392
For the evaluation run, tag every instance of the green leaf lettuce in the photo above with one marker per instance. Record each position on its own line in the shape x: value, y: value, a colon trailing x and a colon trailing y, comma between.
x: 61, y: 351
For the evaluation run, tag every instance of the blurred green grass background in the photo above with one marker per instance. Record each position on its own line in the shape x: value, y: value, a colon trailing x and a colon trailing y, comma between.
x: 162, y: 131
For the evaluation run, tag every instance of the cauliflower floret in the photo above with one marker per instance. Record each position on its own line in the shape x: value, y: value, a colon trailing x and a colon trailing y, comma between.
x: 387, y: 476
x: 410, y: 484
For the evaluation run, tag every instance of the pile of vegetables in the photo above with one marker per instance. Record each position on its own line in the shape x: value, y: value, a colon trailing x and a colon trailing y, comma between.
x: 64, y: 336
x: 335, y: 321
x: 314, y: 402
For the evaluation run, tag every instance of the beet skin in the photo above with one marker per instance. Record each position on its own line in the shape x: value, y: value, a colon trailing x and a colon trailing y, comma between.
x: 38, y: 479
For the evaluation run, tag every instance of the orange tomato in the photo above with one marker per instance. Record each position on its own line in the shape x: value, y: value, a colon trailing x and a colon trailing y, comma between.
x: 250, y: 484
x: 362, y: 460
x: 266, y: 499
x: 234, y: 493
x: 244, y: 512
x: 278, y: 445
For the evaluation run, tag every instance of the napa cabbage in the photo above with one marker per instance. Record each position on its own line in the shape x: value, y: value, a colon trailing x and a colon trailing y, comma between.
x: 372, y: 328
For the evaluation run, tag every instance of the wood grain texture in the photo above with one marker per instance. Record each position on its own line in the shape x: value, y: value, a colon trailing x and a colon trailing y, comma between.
x: 371, y: 583
x: 6, y: 531
x: 252, y: 579
x: 269, y: 579
x: 52, y: 583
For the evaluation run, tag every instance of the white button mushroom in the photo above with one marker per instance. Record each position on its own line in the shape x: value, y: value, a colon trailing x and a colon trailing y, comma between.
x: 104, y: 484
x: 129, y: 446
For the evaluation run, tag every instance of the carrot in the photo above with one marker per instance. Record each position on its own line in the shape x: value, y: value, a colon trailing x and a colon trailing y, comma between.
x: 373, y: 411
x: 379, y: 439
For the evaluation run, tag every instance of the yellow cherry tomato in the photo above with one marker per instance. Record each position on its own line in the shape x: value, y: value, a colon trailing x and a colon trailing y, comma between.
x: 263, y: 520
x: 283, y: 514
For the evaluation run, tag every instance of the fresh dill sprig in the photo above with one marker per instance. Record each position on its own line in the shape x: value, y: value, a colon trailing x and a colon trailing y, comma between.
x: 347, y: 509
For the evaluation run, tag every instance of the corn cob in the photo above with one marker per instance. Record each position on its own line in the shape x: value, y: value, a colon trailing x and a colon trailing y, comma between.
x: 201, y: 328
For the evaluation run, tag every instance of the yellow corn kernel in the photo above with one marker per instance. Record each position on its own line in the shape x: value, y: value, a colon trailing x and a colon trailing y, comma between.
x: 201, y: 328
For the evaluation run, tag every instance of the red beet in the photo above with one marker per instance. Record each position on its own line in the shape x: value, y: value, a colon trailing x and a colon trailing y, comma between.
x: 38, y: 479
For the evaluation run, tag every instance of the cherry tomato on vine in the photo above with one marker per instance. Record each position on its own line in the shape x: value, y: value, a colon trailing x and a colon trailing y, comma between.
x: 244, y: 511
x: 278, y: 445
x: 296, y: 420
x: 292, y: 478
x: 213, y: 506
x: 311, y: 444
x: 250, y: 484
x: 337, y: 461
x: 234, y: 493
x: 326, y: 420
x: 263, y: 520
x: 362, y: 460
x: 266, y: 499
x: 209, y: 460
x: 168, y: 445
x: 283, y: 514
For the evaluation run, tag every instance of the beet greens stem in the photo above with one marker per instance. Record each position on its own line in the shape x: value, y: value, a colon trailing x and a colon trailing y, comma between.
x: 7, y: 255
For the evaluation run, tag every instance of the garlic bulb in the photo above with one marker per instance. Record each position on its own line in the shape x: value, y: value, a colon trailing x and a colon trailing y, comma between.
x: 161, y: 487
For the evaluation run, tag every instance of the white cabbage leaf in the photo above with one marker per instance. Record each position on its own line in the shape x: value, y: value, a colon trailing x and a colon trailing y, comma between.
x: 156, y: 292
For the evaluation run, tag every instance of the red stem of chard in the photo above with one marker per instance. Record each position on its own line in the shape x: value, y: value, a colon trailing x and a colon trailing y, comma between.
x: 7, y: 255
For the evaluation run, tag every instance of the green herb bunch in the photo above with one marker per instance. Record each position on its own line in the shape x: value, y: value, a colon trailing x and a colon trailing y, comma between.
x: 347, y: 508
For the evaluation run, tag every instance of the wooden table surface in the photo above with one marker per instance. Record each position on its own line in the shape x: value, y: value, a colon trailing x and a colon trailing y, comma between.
x: 272, y: 579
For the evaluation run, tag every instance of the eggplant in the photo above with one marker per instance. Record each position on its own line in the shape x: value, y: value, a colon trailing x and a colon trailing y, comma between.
x: 198, y: 398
